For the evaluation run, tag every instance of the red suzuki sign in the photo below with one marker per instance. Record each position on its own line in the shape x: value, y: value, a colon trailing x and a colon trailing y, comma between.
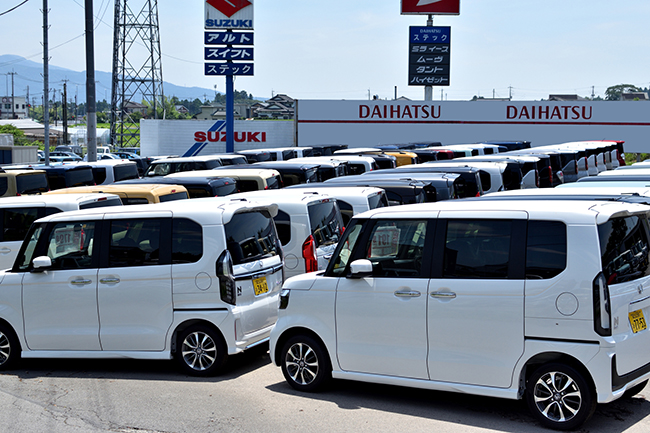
x: 229, y: 7
x: 229, y: 14
x: 431, y: 7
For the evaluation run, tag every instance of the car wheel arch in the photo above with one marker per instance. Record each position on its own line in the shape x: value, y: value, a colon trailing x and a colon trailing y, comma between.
x: 292, y: 332
x: 541, y: 359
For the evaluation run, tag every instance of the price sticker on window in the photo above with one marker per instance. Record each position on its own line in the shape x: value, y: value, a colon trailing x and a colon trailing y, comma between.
x: 385, y: 242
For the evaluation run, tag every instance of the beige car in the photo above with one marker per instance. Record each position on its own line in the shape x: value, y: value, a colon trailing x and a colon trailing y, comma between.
x: 133, y: 194
x: 22, y: 182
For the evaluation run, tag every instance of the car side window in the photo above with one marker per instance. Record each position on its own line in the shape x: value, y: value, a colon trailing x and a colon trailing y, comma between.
x: 134, y: 243
x: 4, y: 186
x: 346, y: 247
x: 546, y: 249
x: 16, y: 222
x: 396, y: 247
x: 283, y: 226
x: 477, y: 249
x: 70, y: 245
x: 187, y: 241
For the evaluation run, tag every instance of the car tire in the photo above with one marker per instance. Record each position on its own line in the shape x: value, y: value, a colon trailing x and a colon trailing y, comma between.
x: 200, y: 351
x: 560, y: 397
x: 635, y: 389
x: 305, y: 363
x: 9, y: 348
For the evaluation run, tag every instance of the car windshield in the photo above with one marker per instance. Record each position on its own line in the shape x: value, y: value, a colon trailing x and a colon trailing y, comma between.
x: 251, y: 236
x: 32, y: 183
x: 326, y: 222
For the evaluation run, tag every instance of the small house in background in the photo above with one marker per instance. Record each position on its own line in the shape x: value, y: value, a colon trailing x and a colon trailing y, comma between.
x: 134, y: 107
x: 635, y: 96
x: 278, y: 107
x: 566, y: 98
x: 181, y: 109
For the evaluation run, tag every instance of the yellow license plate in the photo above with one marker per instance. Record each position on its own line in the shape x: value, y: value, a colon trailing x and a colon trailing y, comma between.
x: 637, y: 321
x: 260, y: 286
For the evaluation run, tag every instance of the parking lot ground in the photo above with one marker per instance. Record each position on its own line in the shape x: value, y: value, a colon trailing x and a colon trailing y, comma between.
x: 252, y: 396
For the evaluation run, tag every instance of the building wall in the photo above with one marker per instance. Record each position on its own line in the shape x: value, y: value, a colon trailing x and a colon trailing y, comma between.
x: 205, y: 137
x: 19, y: 107
x: 370, y: 123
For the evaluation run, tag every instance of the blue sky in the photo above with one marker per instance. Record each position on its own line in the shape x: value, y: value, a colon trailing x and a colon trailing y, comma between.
x: 340, y: 49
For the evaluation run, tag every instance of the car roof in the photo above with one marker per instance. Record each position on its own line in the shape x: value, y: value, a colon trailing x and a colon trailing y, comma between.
x: 54, y: 199
x: 207, y: 211
x: 576, y: 212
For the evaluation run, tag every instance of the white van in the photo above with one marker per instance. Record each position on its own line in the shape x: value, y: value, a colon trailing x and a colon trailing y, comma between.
x: 309, y: 226
x: 108, y: 171
x: 18, y: 213
x: 539, y: 300
x: 352, y: 200
x: 196, y: 281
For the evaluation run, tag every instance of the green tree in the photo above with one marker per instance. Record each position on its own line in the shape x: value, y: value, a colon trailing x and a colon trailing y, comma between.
x: 613, y: 93
x: 19, y: 135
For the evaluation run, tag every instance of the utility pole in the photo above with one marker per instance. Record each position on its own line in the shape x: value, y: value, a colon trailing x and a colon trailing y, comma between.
x: 46, y: 84
x: 510, y: 93
x: 13, y: 102
x: 27, y: 101
x: 593, y: 95
x: 91, y: 103
x: 64, y: 110
x: 428, y: 90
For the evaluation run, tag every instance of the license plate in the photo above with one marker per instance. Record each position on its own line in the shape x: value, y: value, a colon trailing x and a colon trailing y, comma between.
x: 260, y: 286
x: 637, y: 321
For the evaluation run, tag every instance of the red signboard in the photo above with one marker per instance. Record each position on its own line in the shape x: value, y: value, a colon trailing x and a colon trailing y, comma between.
x: 229, y: 7
x: 431, y: 7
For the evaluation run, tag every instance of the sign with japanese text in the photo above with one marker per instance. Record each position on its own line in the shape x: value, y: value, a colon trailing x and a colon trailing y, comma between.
x: 430, y: 7
x: 429, y: 56
x: 229, y: 14
x: 228, y: 69
x: 228, y: 38
x: 228, y: 53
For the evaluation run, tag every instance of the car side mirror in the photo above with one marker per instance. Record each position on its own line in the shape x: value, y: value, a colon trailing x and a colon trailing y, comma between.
x: 41, y: 263
x: 360, y: 268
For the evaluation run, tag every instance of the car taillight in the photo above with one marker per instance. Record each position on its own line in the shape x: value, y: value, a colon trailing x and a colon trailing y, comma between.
x: 309, y: 254
x: 226, y: 277
x: 602, y: 306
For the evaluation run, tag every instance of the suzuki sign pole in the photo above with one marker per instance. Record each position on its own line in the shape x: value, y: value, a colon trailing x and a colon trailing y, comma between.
x: 226, y: 16
x: 422, y: 71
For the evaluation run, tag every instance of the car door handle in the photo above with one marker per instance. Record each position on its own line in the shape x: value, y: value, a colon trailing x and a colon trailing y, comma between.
x: 109, y: 280
x: 407, y: 294
x: 443, y: 295
x: 327, y: 256
x: 80, y: 282
x: 5, y: 250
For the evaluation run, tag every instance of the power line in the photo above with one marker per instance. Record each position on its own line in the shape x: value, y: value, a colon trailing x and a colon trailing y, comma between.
x: 13, y: 8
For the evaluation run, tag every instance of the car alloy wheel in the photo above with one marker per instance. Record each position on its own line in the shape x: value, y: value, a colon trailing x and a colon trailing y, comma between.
x: 200, y: 351
x: 9, y: 348
x: 305, y: 364
x: 560, y: 397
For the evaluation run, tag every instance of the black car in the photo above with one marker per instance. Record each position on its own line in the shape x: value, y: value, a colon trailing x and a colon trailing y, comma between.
x: 197, y: 187
x: 67, y: 176
x: 292, y: 172
x: 472, y: 178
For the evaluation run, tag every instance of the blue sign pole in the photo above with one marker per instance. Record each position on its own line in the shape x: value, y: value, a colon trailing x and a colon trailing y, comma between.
x: 230, y: 113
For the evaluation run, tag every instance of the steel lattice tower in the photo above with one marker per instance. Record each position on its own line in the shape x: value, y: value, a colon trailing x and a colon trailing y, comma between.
x: 137, y: 69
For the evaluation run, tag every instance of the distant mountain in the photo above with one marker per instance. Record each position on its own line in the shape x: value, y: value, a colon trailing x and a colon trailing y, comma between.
x: 30, y: 74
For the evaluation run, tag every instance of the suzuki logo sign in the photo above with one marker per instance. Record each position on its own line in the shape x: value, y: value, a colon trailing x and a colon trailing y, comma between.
x: 431, y: 7
x: 229, y: 7
x: 229, y: 14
